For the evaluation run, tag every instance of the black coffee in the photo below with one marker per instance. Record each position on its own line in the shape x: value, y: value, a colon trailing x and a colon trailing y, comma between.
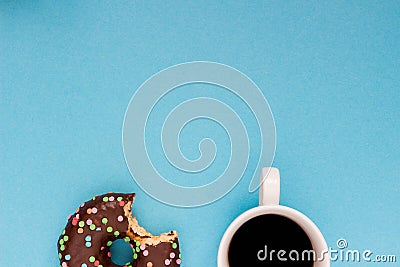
x: 270, y: 240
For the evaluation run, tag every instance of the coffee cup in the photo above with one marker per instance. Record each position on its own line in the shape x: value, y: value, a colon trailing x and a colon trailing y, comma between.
x: 272, y: 234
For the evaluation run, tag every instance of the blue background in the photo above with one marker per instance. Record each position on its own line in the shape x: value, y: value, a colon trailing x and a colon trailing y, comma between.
x: 330, y: 72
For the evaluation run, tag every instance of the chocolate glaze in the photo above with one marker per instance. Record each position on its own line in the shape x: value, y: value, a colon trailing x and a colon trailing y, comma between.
x: 90, y: 231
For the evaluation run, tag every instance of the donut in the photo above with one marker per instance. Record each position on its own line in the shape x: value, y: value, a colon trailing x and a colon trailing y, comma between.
x: 97, y: 223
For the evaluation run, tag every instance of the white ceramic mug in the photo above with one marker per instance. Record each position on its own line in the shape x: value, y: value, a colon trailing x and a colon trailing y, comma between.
x: 269, y: 204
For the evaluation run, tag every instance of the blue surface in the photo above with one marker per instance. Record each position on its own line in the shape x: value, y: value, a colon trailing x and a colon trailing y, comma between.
x: 330, y: 72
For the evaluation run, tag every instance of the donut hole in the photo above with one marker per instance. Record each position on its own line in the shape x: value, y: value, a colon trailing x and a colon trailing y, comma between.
x: 121, y: 252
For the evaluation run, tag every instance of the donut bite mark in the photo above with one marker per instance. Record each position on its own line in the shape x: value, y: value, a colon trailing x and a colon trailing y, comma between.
x: 91, y: 230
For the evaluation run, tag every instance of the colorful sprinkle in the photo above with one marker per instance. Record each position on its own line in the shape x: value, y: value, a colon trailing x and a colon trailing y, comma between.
x: 92, y: 227
x: 105, y: 199
x: 88, y: 244
x: 80, y: 230
x: 89, y: 222
x: 104, y: 220
x: 65, y: 238
x: 109, y: 229
x: 167, y: 262
x: 178, y: 261
x: 67, y: 257
x: 172, y: 255
x: 83, y: 265
x: 149, y: 264
x: 137, y: 249
x: 62, y: 247
x: 134, y: 256
x: 81, y: 224
x: 88, y: 238
x: 142, y: 246
x: 64, y: 264
x: 109, y: 243
x: 120, y: 218
x: 174, y: 245
x: 94, y: 210
x: 111, y: 198
x: 89, y: 211
x: 61, y: 241
x: 92, y: 259
x: 96, y: 263
x: 145, y: 252
x: 121, y: 203
x: 119, y: 198
x: 116, y: 233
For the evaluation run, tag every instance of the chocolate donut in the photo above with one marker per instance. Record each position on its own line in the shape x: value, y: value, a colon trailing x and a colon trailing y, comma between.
x: 90, y: 231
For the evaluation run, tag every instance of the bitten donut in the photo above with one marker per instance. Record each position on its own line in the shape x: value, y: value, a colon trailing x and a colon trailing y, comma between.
x: 91, y: 230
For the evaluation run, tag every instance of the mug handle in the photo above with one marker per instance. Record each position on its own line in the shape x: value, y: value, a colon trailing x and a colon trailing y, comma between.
x: 270, y: 187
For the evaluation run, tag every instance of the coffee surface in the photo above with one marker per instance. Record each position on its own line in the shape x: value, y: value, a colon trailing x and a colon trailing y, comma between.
x: 270, y: 240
